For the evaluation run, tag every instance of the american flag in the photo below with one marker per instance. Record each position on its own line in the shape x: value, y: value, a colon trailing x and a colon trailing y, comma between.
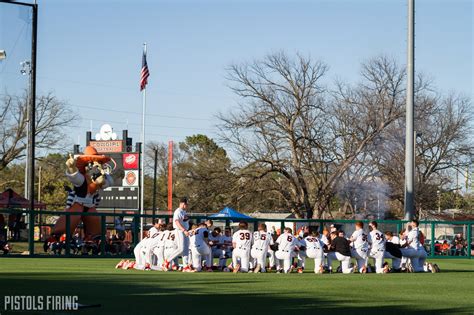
x: 144, y: 74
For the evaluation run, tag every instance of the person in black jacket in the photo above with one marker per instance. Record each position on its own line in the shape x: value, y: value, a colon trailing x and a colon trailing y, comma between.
x: 392, y: 250
x: 340, y: 250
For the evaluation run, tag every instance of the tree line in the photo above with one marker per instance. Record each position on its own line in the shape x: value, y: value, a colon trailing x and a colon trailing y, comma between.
x: 300, y: 142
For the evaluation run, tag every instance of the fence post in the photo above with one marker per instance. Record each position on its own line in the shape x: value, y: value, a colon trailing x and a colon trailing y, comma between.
x: 432, y: 243
x: 282, y: 226
x: 68, y: 234
x: 136, y: 230
x: 103, y: 228
x: 469, y: 240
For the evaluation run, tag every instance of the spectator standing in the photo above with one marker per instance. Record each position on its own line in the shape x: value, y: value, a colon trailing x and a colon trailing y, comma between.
x: 120, y: 228
x: 459, y: 244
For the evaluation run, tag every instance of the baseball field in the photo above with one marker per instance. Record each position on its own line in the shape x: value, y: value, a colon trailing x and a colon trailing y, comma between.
x: 95, y: 281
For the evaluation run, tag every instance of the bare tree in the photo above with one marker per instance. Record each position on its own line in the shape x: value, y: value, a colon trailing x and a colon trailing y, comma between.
x: 444, y: 144
x: 290, y: 124
x: 51, y: 116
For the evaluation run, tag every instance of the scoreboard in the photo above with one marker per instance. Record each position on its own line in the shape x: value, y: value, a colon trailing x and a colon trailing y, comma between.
x: 124, y: 194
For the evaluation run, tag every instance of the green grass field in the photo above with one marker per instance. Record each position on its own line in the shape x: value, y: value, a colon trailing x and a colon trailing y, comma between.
x: 96, y: 281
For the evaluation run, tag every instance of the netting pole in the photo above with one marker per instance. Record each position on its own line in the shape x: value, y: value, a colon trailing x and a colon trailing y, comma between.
x: 68, y: 234
x: 432, y: 244
x: 469, y: 239
x: 32, y: 131
x: 103, y: 228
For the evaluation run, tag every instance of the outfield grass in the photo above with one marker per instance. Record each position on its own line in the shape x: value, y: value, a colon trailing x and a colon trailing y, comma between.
x: 96, y: 281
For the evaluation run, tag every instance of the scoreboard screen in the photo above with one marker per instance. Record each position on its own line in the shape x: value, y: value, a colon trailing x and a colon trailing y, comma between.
x: 124, y: 193
x: 123, y: 167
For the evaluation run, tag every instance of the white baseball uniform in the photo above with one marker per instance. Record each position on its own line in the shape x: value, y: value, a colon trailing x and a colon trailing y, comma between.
x: 148, y: 248
x: 243, y: 243
x: 190, y: 247
x: 377, y: 240
x: 139, y: 252
x: 182, y: 240
x: 262, y: 241
x: 159, y: 249
x: 200, y: 248
x: 314, y: 249
x: 360, y: 248
x: 286, y: 247
x: 171, y: 246
x: 415, y: 250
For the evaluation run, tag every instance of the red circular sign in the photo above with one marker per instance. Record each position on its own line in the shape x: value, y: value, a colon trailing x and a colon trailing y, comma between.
x: 131, y: 178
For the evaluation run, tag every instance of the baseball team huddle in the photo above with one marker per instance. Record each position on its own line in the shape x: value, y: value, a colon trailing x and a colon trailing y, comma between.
x: 199, y: 244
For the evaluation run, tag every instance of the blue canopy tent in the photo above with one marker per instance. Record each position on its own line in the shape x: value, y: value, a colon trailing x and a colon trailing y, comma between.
x: 229, y: 213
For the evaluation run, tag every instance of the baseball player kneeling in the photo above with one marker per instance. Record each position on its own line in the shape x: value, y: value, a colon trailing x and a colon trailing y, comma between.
x: 360, y: 247
x: 171, y: 247
x: 287, y: 244
x: 377, y: 241
x: 139, y: 252
x: 200, y: 248
x: 143, y: 251
x: 158, y: 247
x: 241, y: 242
x: 262, y: 241
x: 314, y: 250
x: 340, y: 250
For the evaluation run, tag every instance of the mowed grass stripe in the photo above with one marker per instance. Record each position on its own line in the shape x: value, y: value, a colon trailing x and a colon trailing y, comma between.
x: 150, y: 292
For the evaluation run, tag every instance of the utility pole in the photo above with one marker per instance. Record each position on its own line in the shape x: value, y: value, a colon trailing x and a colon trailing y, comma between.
x: 409, y: 138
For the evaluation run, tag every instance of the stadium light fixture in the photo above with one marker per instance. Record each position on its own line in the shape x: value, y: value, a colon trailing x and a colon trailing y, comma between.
x: 3, y: 54
x: 25, y: 67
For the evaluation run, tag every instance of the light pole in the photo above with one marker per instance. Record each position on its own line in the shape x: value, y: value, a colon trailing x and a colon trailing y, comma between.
x: 155, y: 166
x: 26, y: 70
x: 409, y: 145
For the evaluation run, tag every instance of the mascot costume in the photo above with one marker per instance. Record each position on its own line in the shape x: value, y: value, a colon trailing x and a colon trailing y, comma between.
x: 86, y: 173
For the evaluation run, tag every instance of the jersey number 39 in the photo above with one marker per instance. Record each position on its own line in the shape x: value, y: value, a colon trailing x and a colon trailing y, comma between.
x: 244, y: 236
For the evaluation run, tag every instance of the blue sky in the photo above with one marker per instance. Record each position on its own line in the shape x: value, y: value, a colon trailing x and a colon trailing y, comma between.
x: 89, y: 52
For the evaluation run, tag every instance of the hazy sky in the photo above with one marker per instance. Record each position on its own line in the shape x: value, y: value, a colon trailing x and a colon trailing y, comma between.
x: 89, y: 52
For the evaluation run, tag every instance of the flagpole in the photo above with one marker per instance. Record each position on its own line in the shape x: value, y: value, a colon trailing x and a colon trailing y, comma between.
x: 142, y: 177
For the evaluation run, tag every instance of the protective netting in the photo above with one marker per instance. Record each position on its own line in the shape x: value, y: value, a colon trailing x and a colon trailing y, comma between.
x: 15, y: 41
